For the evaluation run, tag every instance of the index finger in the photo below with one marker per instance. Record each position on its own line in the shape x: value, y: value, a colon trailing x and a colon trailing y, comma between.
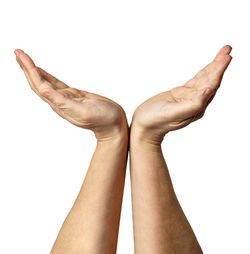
x: 38, y: 84
x: 55, y: 82
x: 30, y: 70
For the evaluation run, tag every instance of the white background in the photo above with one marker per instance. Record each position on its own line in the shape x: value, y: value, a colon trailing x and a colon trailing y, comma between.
x: 127, y: 51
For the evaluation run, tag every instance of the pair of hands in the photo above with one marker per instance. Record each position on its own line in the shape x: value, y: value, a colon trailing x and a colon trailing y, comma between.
x: 151, y: 120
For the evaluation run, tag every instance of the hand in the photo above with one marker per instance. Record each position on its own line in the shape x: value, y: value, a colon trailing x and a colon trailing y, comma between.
x: 182, y: 105
x: 87, y: 110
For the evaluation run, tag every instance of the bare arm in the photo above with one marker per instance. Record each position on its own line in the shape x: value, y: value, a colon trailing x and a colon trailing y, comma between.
x: 92, y: 224
x: 160, y: 225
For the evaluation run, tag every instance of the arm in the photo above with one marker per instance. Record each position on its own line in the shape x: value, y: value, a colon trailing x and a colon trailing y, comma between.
x: 160, y: 225
x: 92, y: 224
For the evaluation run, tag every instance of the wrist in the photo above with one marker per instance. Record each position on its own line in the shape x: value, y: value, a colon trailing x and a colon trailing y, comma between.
x: 113, y: 134
x: 147, y: 135
x: 117, y: 144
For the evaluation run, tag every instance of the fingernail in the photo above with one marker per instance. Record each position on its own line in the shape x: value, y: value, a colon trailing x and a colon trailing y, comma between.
x: 18, y: 51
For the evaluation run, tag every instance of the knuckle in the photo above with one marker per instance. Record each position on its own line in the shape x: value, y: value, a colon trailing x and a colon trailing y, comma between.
x: 46, y: 92
x: 60, y: 104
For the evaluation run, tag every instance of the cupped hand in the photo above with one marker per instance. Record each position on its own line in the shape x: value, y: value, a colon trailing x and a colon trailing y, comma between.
x: 84, y: 109
x: 182, y: 105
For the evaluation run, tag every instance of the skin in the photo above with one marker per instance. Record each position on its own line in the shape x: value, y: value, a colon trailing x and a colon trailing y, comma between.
x: 92, y: 224
x: 160, y: 225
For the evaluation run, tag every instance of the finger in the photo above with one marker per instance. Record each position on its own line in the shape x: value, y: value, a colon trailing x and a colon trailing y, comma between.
x: 57, y: 99
x: 37, y: 83
x: 32, y: 74
x: 190, y: 108
x: 225, y: 50
x: 220, y: 63
x: 211, y: 74
x: 53, y: 96
x: 29, y: 66
x: 73, y: 93
x: 57, y: 84
x: 222, y: 60
x: 68, y: 109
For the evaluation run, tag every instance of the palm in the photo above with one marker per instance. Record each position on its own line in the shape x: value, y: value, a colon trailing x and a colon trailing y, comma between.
x: 83, y: 109
x: 180, y: 106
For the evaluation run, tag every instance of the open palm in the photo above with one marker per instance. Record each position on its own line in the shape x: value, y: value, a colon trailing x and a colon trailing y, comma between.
x: 180, y: 106
x: 83, y: 109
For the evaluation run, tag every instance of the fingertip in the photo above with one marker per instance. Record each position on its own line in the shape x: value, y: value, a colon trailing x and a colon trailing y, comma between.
x: 25, y: 59
x: 227, y: 49
x: 223, y: 56
x: 18, y: 51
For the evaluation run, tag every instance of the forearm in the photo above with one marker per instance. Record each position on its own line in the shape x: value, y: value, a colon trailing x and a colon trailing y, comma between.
x: 160, y: 225
x: 93, y: 222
